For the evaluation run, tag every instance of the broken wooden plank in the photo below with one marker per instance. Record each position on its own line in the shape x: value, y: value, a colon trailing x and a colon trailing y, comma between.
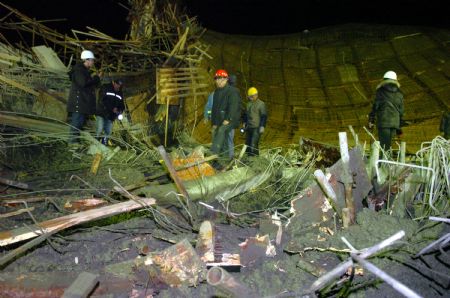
x: 13, y: 183
x: 17, y: 212
x: 176, y: 179
x: 49, y: 59
x: 18, y: 85
x: 34, y: 124
x: 82, y: 286
x: 20, y: 234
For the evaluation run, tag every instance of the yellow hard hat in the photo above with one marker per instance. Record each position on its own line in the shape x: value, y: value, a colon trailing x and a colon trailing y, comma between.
x: 252, y: 91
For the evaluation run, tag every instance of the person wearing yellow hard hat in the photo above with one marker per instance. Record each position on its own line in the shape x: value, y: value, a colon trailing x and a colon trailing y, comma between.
x: 255, y: 118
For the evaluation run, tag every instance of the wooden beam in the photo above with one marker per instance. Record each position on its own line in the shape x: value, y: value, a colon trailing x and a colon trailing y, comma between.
x: 49, y: 226
x: 18, y: 85
x: 82, y: 286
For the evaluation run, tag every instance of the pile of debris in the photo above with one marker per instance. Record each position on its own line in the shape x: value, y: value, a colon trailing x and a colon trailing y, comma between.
x: 279, y: 209
x: 134, y: 219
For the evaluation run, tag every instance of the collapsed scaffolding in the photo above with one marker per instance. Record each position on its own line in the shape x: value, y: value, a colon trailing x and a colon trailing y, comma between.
x: 299, y: 202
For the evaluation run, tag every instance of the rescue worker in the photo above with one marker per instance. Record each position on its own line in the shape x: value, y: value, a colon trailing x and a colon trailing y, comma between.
x: 445, y: 125
x: 225, y: 112
x: 255, y: 118
x: 110, y: 106
x: 387, y: 110
x: 81, y: 102
x: 207, y: 115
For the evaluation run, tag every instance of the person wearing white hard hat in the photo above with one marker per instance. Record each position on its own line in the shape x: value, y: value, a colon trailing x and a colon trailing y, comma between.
x: 82, y: 101
x: 387, y: 110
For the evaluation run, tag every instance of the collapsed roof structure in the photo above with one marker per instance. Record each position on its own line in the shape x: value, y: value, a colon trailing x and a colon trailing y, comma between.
x: 291, y: 205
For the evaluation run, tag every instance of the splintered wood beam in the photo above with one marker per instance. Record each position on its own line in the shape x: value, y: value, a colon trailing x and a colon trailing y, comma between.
x: 82, y: 286
x: 17, y: 212
x: 13, y: 183
x: 176, y: 179
x: 64, y: 222
x: 33, y: 124
x: 18, y: 85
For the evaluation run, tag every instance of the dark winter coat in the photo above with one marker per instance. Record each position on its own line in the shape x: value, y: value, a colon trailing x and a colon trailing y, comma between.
x: 256, y: 114
x: 82, y: 91
x: 108, y: 100
x: 445, y: 125
x: 226, y: 106
x: 387, y: 108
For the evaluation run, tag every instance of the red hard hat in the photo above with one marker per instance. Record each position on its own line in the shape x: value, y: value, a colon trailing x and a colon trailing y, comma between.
x: 221, y: 73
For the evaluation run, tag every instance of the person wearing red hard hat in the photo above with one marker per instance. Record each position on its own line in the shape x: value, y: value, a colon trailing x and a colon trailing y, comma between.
x: 232, y: 80
x: 225, y: 112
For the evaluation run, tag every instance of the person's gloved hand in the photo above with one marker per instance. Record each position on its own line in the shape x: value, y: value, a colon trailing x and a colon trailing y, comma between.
x: 371, y: 125
x: 213, y: 129
x: 261, y: 129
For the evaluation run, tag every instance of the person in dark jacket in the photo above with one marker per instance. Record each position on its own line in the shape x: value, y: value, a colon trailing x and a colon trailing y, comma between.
x: 225, y: 112
x: 110, y: 106
x: 387, y: 110
x: 255, y: 118
x: 232, y: 80
x: 444, y: 127
x: 81, y: 102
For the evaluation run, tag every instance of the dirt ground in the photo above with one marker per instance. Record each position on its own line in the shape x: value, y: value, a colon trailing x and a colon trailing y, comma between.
x: 109, y: 250
x: 111, y: 246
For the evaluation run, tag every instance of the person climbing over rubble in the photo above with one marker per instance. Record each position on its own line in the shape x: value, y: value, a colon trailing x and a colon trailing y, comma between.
x: 444, y: 126
x: 387, y: 110
x: 225, y: 112
x: 110, y: 106
x: 232, y: 79
x: 255, y: 118
x: 81, y: 102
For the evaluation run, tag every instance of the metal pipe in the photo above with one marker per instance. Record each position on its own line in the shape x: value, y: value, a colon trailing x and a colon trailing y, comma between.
x: 402, y: 152
x: 398, y: 286
x: 374, y: 157
x: 327, y: 188
x: 220, y: 278
x: 342, y: 267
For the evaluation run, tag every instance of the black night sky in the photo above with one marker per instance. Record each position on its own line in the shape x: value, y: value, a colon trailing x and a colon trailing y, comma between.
x: 249, y: 17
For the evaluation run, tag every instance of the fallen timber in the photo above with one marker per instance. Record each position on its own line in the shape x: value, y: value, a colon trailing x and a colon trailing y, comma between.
x: 221, y: 187
x: 58, y: 224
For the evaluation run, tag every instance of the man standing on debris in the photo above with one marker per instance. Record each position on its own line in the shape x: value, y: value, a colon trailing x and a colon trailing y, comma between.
x: 110, y: 106
x: 387, y: 110
x: 255, y: 119
x: 207, y: 115
x: 225, y: 112
x: 81, y: 101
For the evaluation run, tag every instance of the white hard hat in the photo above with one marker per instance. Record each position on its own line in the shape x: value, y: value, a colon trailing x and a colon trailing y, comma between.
x: 87, y: 55
x: 390, y: 75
